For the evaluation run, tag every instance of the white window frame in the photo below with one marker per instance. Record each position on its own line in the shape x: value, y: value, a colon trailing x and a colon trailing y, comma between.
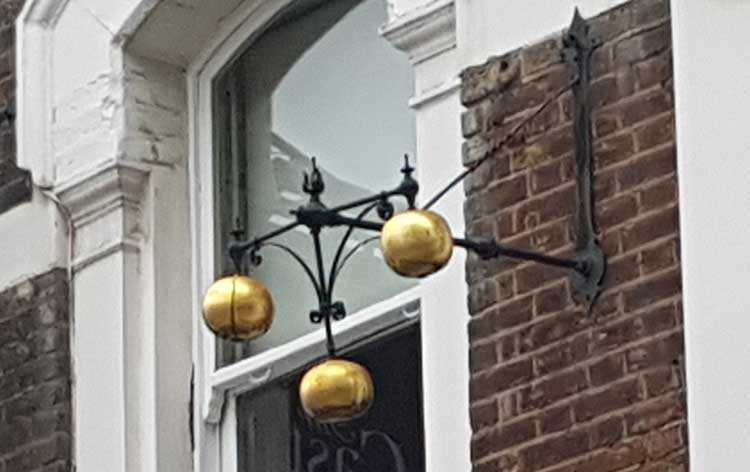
x: 215, y: 391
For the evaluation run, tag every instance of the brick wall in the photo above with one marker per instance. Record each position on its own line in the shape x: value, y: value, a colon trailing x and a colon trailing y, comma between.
x: 15, y: 184
x: 554, y: 389
x: 35, y: 407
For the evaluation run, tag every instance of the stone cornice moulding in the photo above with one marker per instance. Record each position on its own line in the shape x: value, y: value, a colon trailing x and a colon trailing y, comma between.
x: 105, y: 205
x: 424, y: 32
x: 92, y: 193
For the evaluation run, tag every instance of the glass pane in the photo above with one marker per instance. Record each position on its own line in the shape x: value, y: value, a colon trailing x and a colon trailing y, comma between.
x: 275, y: 435
x: 320, y: 82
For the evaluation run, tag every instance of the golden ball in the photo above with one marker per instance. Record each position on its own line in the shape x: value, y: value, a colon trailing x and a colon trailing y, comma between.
x: 336, y: 391
x: 238, y: 308
x: 416, y: 243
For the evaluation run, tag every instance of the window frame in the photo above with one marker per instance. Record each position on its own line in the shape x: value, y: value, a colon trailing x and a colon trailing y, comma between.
x: 215, y: 390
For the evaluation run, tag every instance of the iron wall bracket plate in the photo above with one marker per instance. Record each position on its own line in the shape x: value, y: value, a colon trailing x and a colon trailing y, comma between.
x: 578, y: 52
x: 588, y: 282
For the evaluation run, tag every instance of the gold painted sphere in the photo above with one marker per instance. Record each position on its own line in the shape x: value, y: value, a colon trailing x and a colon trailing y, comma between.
x: 336, y: 391
x: 238, y: 308
x: 416, y: 243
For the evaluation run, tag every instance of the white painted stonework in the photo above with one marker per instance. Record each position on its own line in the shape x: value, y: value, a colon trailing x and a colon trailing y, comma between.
x: 113, y: 99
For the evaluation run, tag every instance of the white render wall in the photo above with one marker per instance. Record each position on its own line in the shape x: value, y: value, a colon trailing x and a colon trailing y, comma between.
x: 712, y: 73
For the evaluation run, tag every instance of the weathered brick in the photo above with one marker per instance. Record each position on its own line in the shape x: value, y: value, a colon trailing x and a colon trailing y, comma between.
x: 614, y: 397
x: 657, y: 353
x: 555, y: 419
x: 506, y: 193
x: 659, y: 194
x: 654, y: 226
x: 659, y: 257
x: 503, y: 436
x: 606, y: 433
x: 551, y: 299
x: 500, y: 379
x: 603, y: 389
x: 482, y: 357
x: 553, y: 205
x: 607, y: 370
x: 642, y: 46
x: 553, y: 389
x: 661, y: 381
x: 495, y: 76
x: 560, y: 356
x: 551, y: 329
x: 655, y: 414
x: 653, y: 290
x: 35, y: 393
x: 655, y: 164
x: 612, y: 150
x: 616, y: 210
x: 645, y: 106
x: 555, y: 450
x: 484, y: 415
x: 540, y: 55
x: 653, y: 71
x: 545, y: 177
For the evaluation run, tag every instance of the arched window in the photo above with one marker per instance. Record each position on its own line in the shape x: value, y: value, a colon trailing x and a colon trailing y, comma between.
x: 319, y: 81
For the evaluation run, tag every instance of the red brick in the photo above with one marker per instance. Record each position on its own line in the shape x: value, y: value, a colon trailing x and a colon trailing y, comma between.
x: 655, y: 414
x: 606, y: 121
x: 552, y: 206
x: 654, y: 226
x: 644, y: 107
x: 607, y: 370
x: 563, y: 355
x: 553, y: 389
x: 659, y: 257
x: 652, y: 290
x: 514, y: 313
x: 616, y: 210
x: 540, y: 55
x: 655, y: 164
x: 614, y: 335
x: 616, y: 458
x: 656, y: 353
x: 503, y: 437
x: 506, y: 193
x: 555, y: 450
x: 545, y: 177
x: 595, y: 379
x: 656, y: 132
x: 614, y: 149
x: 661, y: 381
x: 606, y: 432
x: 656, y: 70
x: 484, y: 415
x: 555, y: 419
x: 614, y: 397
x: 642, y: 46
x: 500, y: 379
x: 482, y: 357
x: 659, y: 194
x: 482, y: 295
x: 551, y: 299
x: 551, y: 329
x: 662, y: 442
x: 621, y: 270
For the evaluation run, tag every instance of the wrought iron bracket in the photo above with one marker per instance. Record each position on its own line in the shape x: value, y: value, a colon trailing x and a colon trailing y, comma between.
x: 578, y: 50
x: 587, y: 266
